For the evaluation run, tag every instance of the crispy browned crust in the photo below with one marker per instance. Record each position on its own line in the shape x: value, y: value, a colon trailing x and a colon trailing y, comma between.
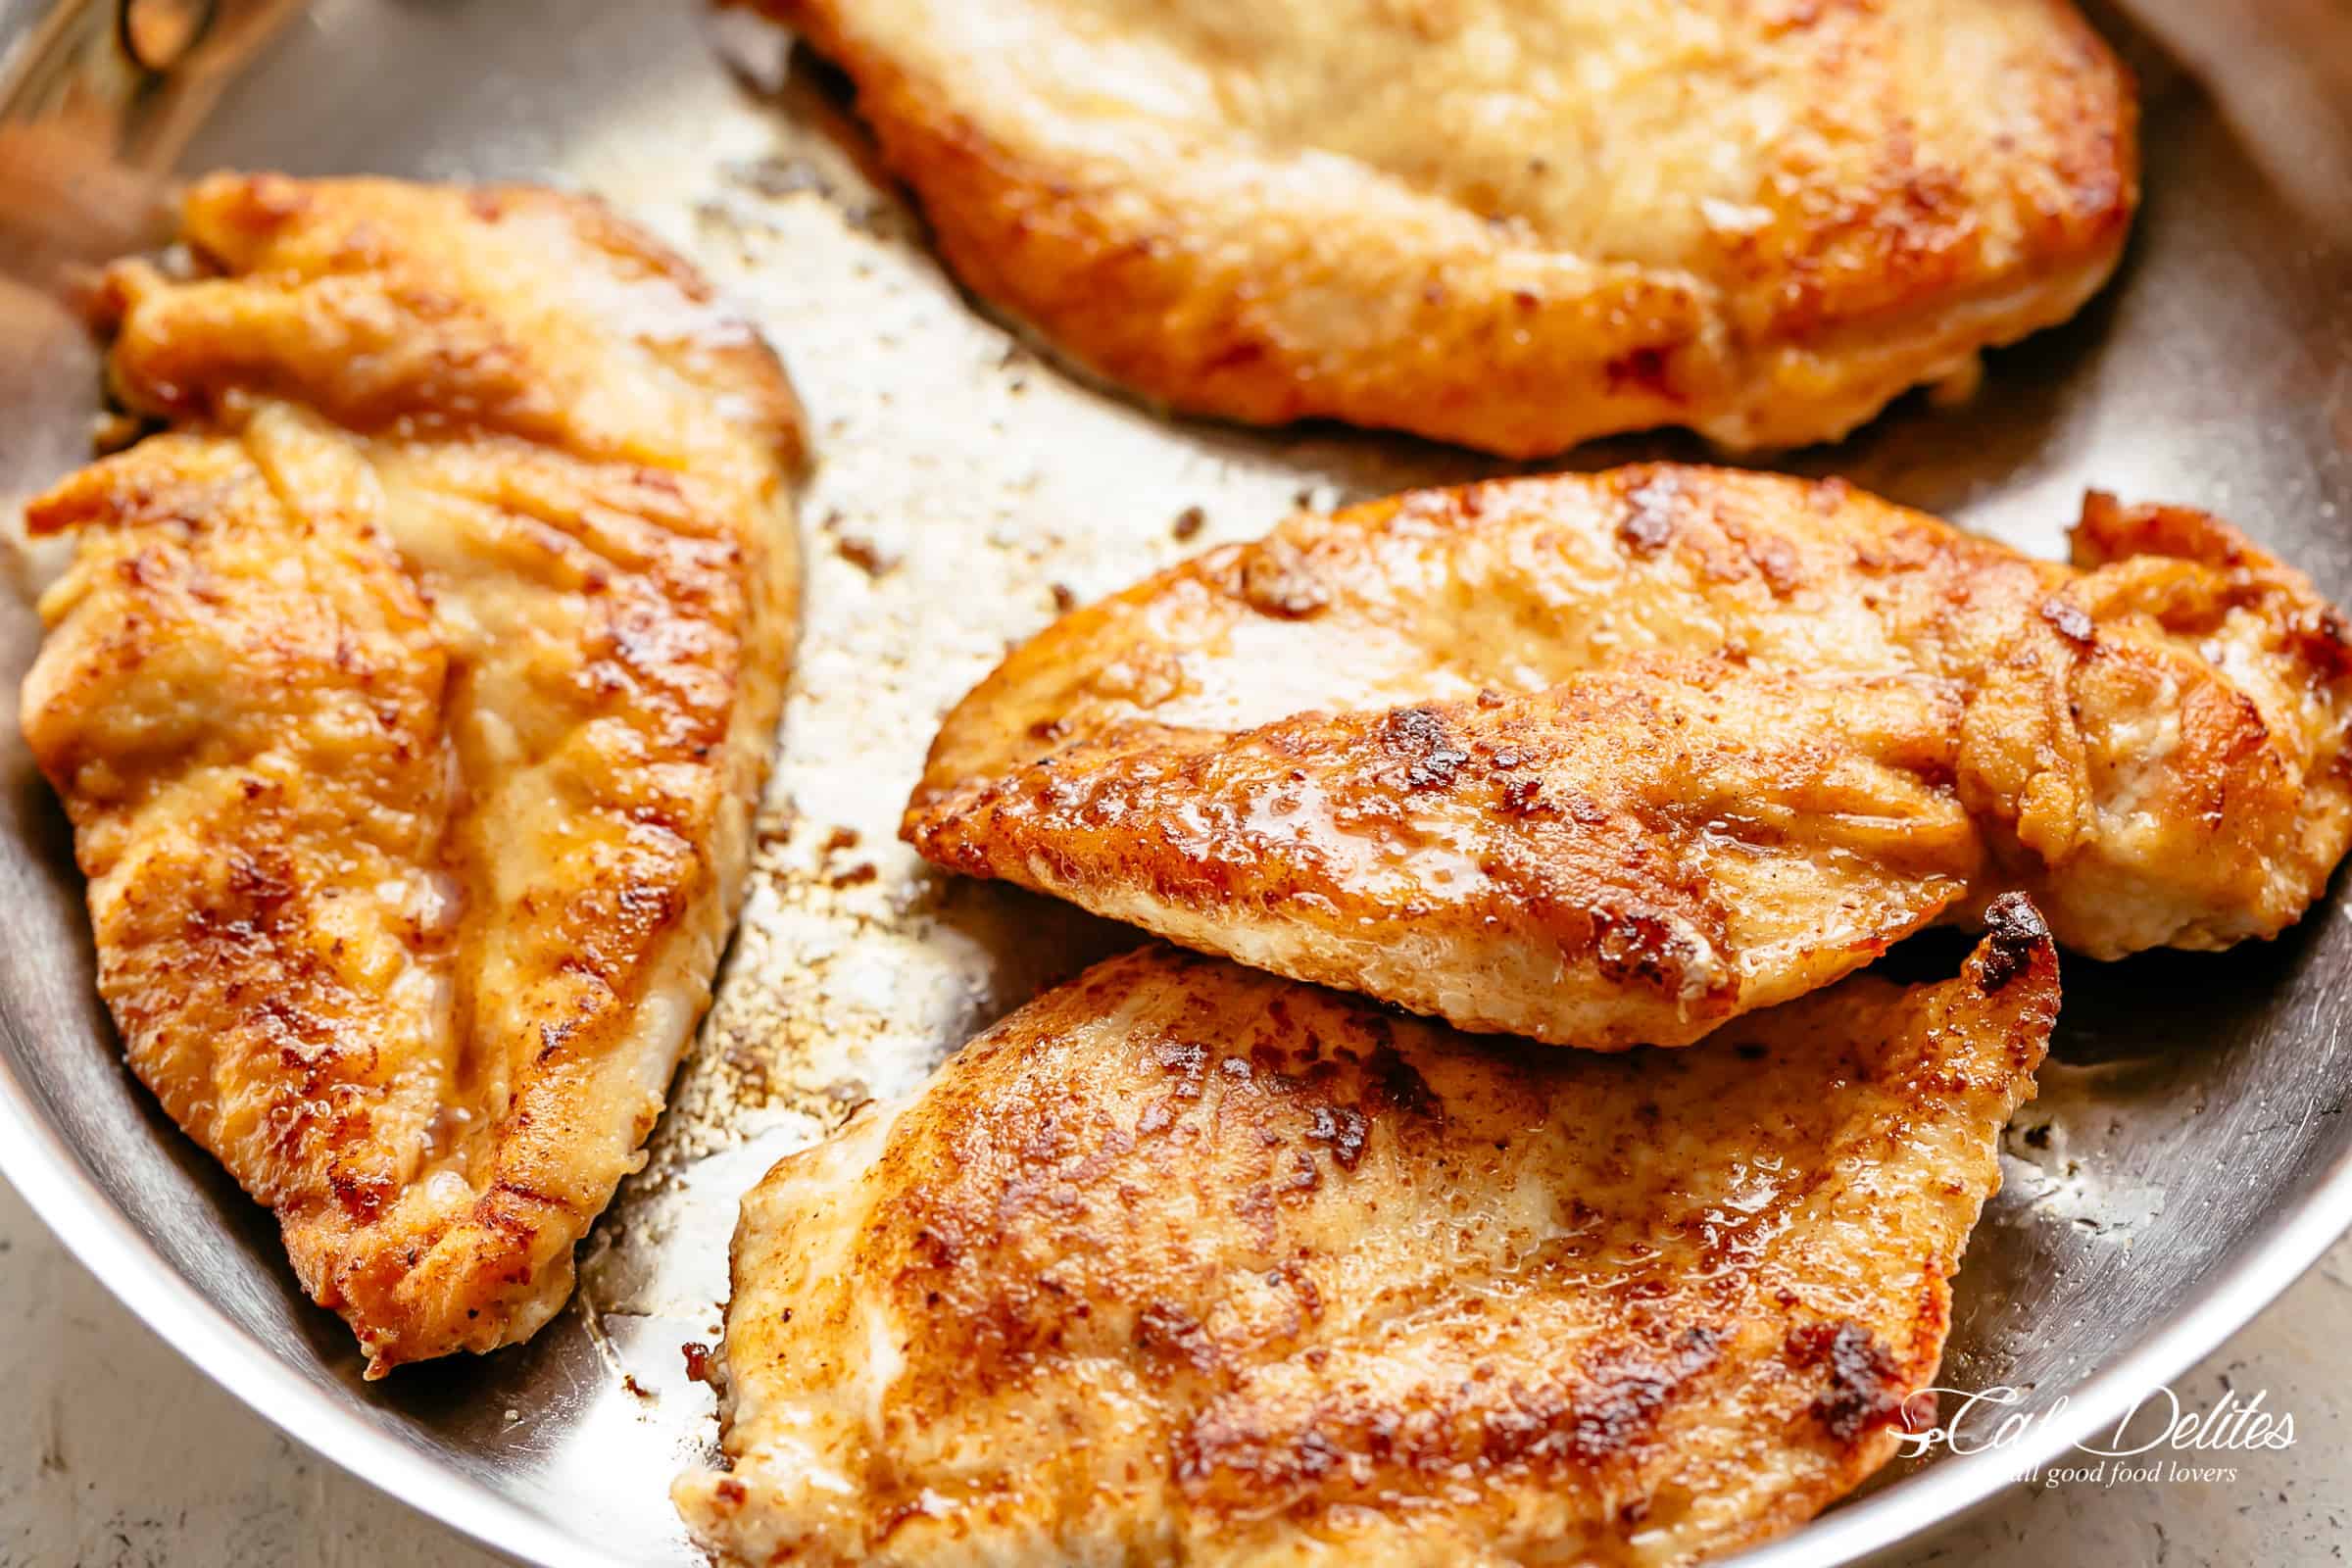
x: 409, y: 698
x: 2149, y: 741
x: 1186, y: 1264
x: 1919, y: 203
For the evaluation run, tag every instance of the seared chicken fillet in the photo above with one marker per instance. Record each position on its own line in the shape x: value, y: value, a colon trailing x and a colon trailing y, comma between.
x: 1186, y: 1264
x: 1586, y: 757
x: 410, y: 696
x: 1514, y: 224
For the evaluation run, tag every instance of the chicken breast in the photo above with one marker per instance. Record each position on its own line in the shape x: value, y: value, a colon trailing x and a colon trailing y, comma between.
x: 410, y: 696
x: 1585, y: 758
x: 1186, y: 1264
x: 1514, y: 224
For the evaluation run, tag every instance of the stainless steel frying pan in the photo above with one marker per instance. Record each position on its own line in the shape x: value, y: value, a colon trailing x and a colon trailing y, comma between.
x: 2190, y: 1155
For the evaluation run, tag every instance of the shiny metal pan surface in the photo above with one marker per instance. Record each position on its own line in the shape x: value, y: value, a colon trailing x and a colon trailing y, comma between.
x: 2188, y: 1156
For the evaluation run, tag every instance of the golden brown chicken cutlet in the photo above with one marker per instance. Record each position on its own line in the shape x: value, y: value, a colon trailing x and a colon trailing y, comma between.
x: 1186, y: 1264
x: 1607, y: 760
x: 410, y: 696
x: 1513, y: 223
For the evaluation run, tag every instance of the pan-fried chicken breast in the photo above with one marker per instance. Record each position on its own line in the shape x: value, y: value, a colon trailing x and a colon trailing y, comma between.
x: 1514, y: 224
x: 1186, y: 1264
x: 1718, y: 710
x: 410, y: 696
